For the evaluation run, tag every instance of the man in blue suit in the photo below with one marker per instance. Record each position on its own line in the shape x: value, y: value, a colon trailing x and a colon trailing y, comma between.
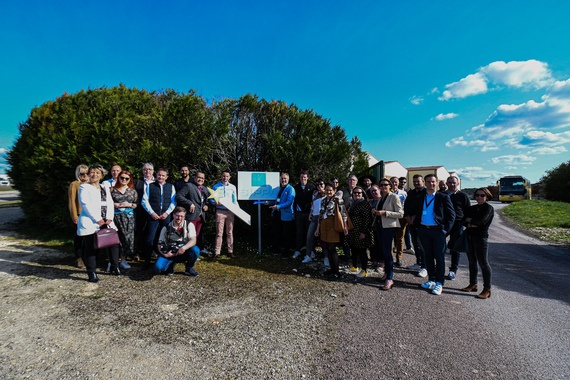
x: 283, y: 216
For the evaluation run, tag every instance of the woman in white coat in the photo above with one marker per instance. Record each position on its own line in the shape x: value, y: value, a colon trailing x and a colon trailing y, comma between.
x: 97, y: 211
x: 387, y: 210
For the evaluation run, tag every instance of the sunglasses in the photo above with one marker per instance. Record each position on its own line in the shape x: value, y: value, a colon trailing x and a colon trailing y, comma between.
x: 480, y: 195
x: 357, y: 192
x: 124, y: 178
x: 384, y: 184
x: 82, y: 174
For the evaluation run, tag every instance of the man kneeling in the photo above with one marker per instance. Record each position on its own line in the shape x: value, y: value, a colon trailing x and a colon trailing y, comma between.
x: 177, y: 244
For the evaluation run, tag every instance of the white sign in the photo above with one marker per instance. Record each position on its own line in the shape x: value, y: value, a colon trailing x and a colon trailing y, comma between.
x: 258, y: 186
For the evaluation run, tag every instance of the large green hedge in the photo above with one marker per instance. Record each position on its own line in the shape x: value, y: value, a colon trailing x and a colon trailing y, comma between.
x: 128, y: 127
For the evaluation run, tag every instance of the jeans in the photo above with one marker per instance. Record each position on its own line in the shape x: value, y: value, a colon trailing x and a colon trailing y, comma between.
x: 453, y: 236
x: 384, y: 237
x: 479, y: 254
x: 152, y: 235
x: 433, y: 243
x: 418, y: 249
x: 301, y: 227
x: 310, y: 247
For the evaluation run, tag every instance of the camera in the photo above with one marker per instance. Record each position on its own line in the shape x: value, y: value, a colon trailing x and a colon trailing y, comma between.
x: 171, y: 247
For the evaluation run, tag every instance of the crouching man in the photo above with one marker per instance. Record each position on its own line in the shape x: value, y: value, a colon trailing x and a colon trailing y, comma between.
x: 177, y: 244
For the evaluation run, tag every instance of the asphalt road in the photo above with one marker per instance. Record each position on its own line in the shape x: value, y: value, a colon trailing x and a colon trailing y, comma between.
x: 521, y: 332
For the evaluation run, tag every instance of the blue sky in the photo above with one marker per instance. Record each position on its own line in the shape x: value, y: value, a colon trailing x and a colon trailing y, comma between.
x: 480, y: 87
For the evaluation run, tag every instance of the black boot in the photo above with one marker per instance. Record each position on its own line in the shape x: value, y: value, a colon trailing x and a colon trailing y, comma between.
x: 115, y: 271
x: 92, y: 277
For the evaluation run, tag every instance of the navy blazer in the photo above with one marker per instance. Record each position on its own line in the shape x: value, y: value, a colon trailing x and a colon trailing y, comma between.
x: 444, y: 214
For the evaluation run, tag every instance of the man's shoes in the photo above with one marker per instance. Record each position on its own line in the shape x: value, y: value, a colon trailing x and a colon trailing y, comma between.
x: 353, y: 269
x: 326, y: 262
x: 124, y: 265
x: 414, y: 267
x: 191, y: 272
x: 486, y: 293
x: 411, y: 251
x: 470, y: 288
x: 216, y: 256
x: 313, y: 255
x: 451, y: 275
x: 307, y: 259
x: 430, y: 285
x: 437, y: 289
x: 388, y: 285
x: 398, y: 264
x: 231, y: 255
x: 333, y: 277
x: 362, y: 274
x: 296, y: 254
x: 115, y: 271
x: 423, y: 272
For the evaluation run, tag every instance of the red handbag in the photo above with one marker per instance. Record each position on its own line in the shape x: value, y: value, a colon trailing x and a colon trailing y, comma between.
x: 106, y: 237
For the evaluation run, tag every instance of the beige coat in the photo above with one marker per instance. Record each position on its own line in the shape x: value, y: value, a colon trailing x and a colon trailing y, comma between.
x: 394, y: 211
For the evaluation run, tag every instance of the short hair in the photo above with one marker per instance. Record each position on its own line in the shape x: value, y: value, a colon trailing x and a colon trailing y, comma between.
x: 148, y: 164
x: 403, y: 179
x: 178, y: 209
x: 304, y: 172
x: 78, y: 170
x: 453, y: 176
x: 284, y: 173
x: 486, y: 191
x: 100, y: 168
x: 162, y: 170
x: 431, y: 175
x: 418, y: 176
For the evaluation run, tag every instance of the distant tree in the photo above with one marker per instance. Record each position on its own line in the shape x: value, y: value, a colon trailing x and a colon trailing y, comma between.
x: 129, y: 127
x: 556, y: 182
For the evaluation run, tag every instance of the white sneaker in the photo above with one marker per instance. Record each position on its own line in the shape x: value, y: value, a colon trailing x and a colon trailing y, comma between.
x: 451, y: 275
x: 313, y: 255
x: 438, y: 288
x: 326, y: 262
x: 423, y: 272
x: 430, y: 285
x: 414, y: 267
x: 307, y: 259
x: 296, y: 254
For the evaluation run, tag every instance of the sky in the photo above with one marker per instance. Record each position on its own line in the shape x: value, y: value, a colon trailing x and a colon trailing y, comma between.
x: 479, y: 87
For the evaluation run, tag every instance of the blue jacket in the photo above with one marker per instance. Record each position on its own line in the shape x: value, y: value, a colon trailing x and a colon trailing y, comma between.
x: 285, y: 203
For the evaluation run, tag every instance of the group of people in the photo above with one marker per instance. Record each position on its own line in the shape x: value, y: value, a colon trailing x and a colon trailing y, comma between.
x: 370, y: 222
x: 151, y: 216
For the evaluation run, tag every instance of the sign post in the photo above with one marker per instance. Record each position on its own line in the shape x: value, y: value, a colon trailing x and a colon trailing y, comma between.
x: 258, y: 187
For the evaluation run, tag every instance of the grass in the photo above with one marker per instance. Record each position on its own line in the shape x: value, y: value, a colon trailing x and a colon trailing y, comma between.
x: 550, y: 220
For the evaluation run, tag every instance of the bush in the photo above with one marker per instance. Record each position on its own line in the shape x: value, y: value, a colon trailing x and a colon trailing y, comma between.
x: 556, y: 182
x: 129, y: 127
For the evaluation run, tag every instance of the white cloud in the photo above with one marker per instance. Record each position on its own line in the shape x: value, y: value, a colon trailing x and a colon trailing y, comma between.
x: 549, y: 151
x: 531, y: 73
x: 511, y: 159
x: 3, y: 151
x: 477, y: 174
x: 481, y: 145
x: 538, y: 127
x: 416, y: 100
x: 518, y: 74
x: 446, y: 116
x: 472, y: 84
